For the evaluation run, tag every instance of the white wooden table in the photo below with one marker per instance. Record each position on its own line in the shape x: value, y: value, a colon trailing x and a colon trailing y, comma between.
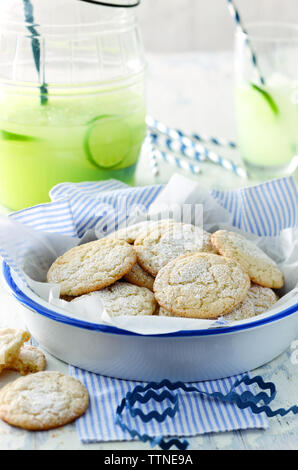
x: 193, y: 92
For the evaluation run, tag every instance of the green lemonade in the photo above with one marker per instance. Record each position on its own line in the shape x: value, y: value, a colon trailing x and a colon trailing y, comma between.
x: 267, y: 124
x: 71, y: 138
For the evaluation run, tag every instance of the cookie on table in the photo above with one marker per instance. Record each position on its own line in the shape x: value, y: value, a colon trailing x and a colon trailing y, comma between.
x: 11, y: 341
x: 29, y: 361
x: 162, y: 245
x: 140, y: 277
x: 261, y: 269
x: 258, y: 300
x: 92, y: 266
x: 43, y: 401
x: 201, y: 285
x: 123, y: 298
x: 132, y: 232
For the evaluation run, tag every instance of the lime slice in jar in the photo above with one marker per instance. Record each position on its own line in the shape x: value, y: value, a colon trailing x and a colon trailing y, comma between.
x: 107, y: 141
x: 6, y: 135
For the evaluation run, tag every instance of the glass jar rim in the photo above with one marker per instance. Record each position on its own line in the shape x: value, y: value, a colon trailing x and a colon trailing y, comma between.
x: 259, y: 37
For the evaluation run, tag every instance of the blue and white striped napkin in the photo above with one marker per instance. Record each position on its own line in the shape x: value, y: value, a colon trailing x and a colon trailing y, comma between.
x: 76, y: 208
x: 197, y: 414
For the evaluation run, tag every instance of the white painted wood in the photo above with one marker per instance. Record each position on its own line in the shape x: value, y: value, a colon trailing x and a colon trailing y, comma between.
x: 192, y: 91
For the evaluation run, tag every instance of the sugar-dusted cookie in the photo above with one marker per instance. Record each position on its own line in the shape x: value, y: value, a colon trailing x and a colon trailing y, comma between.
x: 201, y: 285
x: 140, y: 277
x: 92, y: 266
x: 11, y: 341
x: 258, y: 300
x: 29, y: 360
x: 162, y: 312
x: 132, y: 232
x: 123, y: 298
x: 162, y: 245
x: 43, y: 401
x: 261, y: 269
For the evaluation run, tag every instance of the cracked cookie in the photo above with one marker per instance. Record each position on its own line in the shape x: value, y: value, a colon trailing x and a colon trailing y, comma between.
x: 123, y: 298
x: 92, y: 266
x: 162, y: 245
x: 258, y: 300
x: 29, y: 361
x: 11, y: 341
x: 43, y: 401
x: 261, y: 269
x: 140, y: 277
x: 132, y: 232
x: 201, y: 285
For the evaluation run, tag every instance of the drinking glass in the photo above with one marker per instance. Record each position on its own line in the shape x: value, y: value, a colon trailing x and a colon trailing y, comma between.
x: 266, y: 66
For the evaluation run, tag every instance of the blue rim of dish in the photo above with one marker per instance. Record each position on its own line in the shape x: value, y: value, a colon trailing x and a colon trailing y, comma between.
x: 51, y: 314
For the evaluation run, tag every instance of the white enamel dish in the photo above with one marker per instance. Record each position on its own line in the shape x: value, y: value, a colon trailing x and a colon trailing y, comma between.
x: 187, y: 355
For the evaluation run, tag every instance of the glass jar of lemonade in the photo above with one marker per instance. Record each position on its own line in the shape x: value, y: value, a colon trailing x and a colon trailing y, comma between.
x: 72, y: 102
x: 266, y: 98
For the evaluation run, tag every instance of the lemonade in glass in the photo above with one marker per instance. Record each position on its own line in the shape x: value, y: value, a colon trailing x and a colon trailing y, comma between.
x: 266, y: 108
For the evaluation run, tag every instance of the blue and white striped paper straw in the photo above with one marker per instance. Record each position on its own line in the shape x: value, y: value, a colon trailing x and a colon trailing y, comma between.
x: 235, y: 14
x: 218, y: 141
x: 152, y: 155
x: 177, y: 141
x: 176, y: 161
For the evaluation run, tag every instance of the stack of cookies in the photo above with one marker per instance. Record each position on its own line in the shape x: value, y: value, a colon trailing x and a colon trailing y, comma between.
x: 16, y: 354
x: 173, y: 269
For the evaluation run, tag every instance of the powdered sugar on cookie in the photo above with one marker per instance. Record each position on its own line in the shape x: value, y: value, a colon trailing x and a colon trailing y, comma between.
x: 43, y: 401
x: 201, y: 285
x: 123, y: 298
x: 261, y: 269
x: 163, y: 245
